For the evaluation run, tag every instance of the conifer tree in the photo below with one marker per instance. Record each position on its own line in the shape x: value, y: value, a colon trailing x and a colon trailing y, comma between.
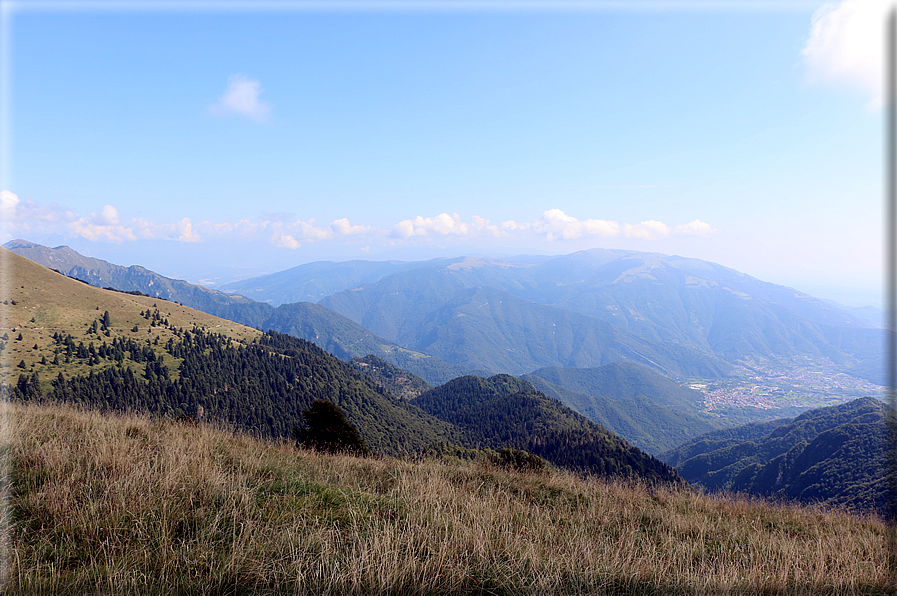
x: 326, y: 429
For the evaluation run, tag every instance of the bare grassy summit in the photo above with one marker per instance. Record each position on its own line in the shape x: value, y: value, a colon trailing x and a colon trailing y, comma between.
x: 115, y: 504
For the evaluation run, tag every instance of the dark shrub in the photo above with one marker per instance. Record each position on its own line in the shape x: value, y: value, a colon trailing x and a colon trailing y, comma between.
x: 326, y: 429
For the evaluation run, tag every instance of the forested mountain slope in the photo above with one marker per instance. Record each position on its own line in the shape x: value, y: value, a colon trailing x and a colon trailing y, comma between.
x: 482, y: 327
x: 506, y: 411
x: 657, y: 298
x: 834, y: 455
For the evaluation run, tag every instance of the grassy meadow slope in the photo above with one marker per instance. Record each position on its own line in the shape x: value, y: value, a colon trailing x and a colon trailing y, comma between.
x: 37, y: 303
x: 105, y: 274
x: 128, y: 505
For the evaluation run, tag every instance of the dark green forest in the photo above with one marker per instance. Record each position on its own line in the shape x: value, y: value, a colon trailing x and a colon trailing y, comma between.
x: 262, y: 387
x: 265, y: 387
x: 503, y: 411
x: 833, y: 456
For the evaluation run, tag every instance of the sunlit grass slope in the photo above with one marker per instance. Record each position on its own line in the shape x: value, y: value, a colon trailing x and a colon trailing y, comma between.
x: 36, y: 303
x: 129, y: 505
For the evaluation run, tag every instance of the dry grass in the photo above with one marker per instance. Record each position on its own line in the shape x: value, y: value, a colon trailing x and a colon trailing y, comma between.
x: 119, y: 505
x: 47, y: 302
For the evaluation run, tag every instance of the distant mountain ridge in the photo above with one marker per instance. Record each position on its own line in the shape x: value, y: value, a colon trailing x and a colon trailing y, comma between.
x: 686, y: 302
x: 318, y: 324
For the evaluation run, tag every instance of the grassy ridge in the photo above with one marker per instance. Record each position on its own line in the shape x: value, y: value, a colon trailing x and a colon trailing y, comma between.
x: 38, y: 303
x: 129, y: 505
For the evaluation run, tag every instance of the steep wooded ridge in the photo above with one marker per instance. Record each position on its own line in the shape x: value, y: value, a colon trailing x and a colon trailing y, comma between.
x: 834, y: 455
x: 505, y: 411
x: 258, y: 382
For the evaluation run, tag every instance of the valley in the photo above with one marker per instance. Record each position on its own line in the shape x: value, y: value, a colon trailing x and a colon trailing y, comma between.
x: 798, y: 383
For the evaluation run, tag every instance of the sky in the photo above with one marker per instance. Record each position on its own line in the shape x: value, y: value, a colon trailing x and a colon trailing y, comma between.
x: 213, y: 141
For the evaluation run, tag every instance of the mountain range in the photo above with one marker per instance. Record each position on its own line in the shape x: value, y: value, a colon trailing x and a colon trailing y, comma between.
x: 681, y: 317
x: 554, y: 321
x: 125, y: 350
x: 67, y: 341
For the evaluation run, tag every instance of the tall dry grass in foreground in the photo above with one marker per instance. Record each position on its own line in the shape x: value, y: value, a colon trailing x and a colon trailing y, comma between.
x: 118, y: 505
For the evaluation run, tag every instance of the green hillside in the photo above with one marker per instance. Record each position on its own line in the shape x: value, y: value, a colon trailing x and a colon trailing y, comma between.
x: 397, y: 381
x: 621, y: 380
x: 346, y: 339
x: 38, y: 304
x: 721, y: 438
x: 834, y: 456
x: 104, y: 274
x: 505, y: 411
x: 488, y: 328
x: 328, y: 329
x: 178, y: 359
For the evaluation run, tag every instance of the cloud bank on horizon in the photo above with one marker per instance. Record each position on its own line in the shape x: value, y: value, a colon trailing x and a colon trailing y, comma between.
x: 28, y: 217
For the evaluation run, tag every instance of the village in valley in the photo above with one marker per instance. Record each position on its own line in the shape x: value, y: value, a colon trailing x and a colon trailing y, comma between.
x: 800, y: 382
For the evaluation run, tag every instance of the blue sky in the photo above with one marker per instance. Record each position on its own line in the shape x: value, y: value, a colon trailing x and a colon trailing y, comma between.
x: 216, y: 141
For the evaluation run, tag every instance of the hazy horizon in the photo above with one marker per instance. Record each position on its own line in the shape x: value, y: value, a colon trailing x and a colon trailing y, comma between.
x: 214, y: 142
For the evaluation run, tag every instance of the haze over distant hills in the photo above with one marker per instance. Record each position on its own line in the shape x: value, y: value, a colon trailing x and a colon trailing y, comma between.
x: 445, y: 318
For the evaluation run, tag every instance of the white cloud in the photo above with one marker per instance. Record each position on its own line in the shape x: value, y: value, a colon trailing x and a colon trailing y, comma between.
x: 441, y: 225
x: 105, y: 225
x: 694, y: 228
x: 294, y: 235
x: 8, y: 203
x: 26, y: 218
x: 846, y: 46
x: 87, y: 229
x: 285, y: 241
x: 108, y: 216
x: 185, y: 231
x: 557, y: 225
x: 342, y: 227
x: 242, y: 98
x: 646, y: 230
